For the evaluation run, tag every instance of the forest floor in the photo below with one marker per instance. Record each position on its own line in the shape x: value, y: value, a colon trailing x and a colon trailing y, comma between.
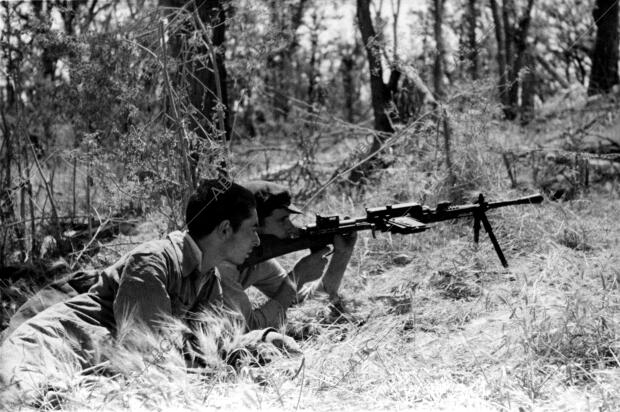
x: 430, y: 321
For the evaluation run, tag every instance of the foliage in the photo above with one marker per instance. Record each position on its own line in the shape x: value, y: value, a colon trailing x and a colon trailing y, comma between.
x: 100, y: 123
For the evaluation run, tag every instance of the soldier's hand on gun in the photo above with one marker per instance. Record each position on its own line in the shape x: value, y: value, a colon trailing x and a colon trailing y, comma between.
x: 311, y: 267
x: 345, y: 243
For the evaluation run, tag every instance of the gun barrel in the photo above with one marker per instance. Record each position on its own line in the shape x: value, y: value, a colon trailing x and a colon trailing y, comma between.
x: 533, y: 199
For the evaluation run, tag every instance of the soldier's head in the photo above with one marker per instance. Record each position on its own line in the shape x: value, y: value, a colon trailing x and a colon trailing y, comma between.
x: 225, y: 212
x: 274, y: 208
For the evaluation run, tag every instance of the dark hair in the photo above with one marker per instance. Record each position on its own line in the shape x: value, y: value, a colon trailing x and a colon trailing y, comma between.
x: 214, y: 201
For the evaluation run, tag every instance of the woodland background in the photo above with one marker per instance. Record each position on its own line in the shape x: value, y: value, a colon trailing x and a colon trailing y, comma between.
x: 111, y: 111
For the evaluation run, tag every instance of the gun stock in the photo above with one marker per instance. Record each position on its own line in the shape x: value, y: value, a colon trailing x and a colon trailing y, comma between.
x: 271, y: 246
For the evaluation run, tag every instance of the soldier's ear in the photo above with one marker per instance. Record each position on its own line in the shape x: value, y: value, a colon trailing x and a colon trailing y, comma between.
x: 224, y: 229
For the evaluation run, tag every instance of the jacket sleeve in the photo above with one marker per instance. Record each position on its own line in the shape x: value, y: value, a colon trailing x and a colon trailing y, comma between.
x: 270, y: 314
x: 267, y: 277
x: 270, y: 278
x: 142, y: 297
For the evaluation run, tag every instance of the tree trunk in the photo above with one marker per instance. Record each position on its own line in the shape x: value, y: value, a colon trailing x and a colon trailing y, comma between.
x: 68, y: 11
x: 472, y: 22
x: 395, y: 15
x: 438, y: 69
x: 515, y: 46
x: 507, y: 13
x: 207, y: 89
x: 378, y: 89
x: 48, y: 61
x: 379, y: 92
x: 604, y: 73
x: 528, y: 88
x: 501, y: 51
x: 348, y: 83
x: 7, y: 207
x: 14, y: 235
x: 520, y: 45
x: 314, y: 64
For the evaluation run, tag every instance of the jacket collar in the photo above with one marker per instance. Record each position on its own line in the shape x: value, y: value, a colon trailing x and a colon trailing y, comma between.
x: 191, y: 255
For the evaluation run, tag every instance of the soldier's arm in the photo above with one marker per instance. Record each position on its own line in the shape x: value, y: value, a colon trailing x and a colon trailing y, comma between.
x: 268, y: 277
x: 332, y: 278
x: 142, y: 298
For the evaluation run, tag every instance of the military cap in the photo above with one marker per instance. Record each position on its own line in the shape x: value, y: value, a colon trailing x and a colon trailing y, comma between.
x: 270, y: 196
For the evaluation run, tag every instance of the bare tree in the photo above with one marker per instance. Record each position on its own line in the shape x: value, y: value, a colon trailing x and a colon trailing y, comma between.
x: 204, y: 63
x: 519, y: 39
x: 512, y: 48
x: 438, y: 66
x: 7, y: 206
x: 383, y: 94
x: 380, y: 94
x: 380, y: 91
x: 472, y: 45
x: 605, y: 54
x: 528, y: 88
x: 348, y: 66
x: 501, y: 51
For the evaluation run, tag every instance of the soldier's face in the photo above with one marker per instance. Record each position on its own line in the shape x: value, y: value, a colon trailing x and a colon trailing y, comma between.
x: 279, y: 224
x: 241, y: 242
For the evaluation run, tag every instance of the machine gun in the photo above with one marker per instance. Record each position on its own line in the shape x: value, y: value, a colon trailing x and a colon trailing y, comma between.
x: 404, y: 219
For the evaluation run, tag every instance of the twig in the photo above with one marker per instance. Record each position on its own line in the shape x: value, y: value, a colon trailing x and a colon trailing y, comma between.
x: 33, y: 228
x: 266, y: 149
x: 303, y: 379
x: 87, y: 246
x: 607, y: 138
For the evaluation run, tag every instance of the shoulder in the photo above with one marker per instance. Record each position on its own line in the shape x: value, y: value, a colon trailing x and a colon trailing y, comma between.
x: 161, y: 257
